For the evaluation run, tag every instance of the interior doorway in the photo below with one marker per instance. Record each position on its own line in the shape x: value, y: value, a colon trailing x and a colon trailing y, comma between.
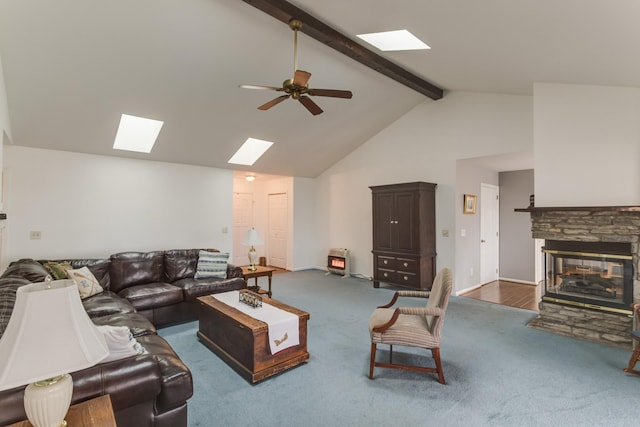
x: 489, y: 233
x: 242, y: 221
x: 277, y: 230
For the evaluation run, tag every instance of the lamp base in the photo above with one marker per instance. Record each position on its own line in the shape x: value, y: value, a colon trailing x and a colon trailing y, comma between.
x: 252, y: 258
x: 47, y: 402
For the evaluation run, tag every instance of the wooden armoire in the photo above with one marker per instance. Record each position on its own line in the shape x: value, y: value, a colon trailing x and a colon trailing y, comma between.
x: 404, y: 234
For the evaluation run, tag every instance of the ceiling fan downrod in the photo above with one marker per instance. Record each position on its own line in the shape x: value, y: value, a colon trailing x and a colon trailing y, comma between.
x: 295, y: 25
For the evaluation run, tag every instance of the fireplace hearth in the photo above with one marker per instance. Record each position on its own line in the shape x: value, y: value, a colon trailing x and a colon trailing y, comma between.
x: 591, y: 271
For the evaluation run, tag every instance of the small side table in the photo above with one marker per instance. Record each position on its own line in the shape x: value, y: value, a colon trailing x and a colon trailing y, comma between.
x: 96, y: 412
x: 260, y: 271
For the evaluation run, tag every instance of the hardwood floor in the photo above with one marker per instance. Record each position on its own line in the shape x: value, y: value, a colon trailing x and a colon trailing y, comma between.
x: 513, y: 294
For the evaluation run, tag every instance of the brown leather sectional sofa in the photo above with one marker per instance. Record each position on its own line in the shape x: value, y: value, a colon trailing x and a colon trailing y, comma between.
x: 142, y: 290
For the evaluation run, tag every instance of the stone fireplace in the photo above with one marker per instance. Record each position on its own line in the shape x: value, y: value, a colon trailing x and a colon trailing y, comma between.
x: 591, y: 271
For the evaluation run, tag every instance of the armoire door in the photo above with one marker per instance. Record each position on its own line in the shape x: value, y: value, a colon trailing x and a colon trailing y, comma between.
x: 383, y: 221
x: 406, y: 238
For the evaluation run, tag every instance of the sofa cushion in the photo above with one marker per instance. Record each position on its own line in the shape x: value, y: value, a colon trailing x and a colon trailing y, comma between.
x: 151, y: 295
x: 194, y: 288
x: 137, y: 323
x: 28, y: 269
x: 99, y: 267
x: 120, y: 342
x: 181, y: 263
x: 58, y: 270
x: 135, y: 268
x: 85, y: 280
x: 211, y: 264
x: 8, y: 287
x: 105, y: 304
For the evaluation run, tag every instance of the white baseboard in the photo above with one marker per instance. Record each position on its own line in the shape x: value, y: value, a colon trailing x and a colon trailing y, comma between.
x: 524, y: 282
x: 462, y: 291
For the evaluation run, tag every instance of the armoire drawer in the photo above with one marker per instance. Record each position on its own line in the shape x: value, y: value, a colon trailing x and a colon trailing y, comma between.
x: 407, y: 265
x: 386, y: 275
x: 403, y: 278
x: 386, y: 262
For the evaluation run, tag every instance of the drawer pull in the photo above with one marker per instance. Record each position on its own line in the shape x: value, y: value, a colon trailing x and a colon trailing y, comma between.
x: 385, y: 262
x: 406, y: 278
x: 385, y: 275
x: 406, y: 264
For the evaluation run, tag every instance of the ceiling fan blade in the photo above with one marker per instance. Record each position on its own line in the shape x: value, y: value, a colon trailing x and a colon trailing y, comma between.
x: 300, y: 78
x: 331, y: 92
x: 261, y: 87
x: 273, y: 102
x: 310, y: 105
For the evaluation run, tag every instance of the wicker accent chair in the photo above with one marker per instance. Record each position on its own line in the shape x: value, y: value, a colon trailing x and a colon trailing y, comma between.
x: 635, y: 334
x: 412, y: 326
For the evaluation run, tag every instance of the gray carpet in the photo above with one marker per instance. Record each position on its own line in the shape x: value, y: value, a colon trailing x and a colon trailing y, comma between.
x: 499, y: 372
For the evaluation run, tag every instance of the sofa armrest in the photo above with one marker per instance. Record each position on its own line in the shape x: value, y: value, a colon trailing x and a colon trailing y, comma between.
x: 118, y: 378
x: 234, y: 271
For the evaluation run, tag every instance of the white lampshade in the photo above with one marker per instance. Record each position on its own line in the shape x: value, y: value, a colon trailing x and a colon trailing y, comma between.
x: 49, y: 334
x: 252, y: 238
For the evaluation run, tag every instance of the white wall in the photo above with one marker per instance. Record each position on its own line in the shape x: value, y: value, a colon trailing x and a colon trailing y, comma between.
x: 93, y: 206
x: 5, y: 124
x: 423, y: 145
x: 305, y: 223
x: 517, y: 248
x: 469, y: 177
x: 587, y: 145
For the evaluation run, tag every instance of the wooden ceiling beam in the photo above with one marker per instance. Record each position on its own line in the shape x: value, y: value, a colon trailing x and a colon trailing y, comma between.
x: 284, y: 11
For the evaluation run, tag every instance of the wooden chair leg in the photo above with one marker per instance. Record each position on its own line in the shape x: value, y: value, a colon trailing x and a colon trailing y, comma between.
x: 632, y: 362
x: 436, y: 356
x: 373, y: 360
x: 390, y: 353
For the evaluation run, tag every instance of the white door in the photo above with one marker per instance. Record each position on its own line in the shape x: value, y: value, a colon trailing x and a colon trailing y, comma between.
x: 489, y: 229
x: 242, y: 221
x: 277, y: 240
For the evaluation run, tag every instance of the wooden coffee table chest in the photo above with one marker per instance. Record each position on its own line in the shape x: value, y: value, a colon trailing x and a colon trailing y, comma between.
x: 243, y: 342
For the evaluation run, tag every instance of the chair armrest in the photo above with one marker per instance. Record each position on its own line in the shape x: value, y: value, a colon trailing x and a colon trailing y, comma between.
x: 417, y: 294
x: 385, y: 326
x: 421, y: 311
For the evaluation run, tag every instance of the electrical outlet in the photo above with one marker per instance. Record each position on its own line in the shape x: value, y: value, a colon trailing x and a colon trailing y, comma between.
x: 225, y: 230
x: 35, y: 235
x: 471, y: 272
x: 445, y: 232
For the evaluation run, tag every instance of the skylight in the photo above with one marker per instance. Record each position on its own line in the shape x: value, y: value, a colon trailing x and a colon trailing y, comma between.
x: 394, y: 40
x: 251, y: 150
x: 137, y: 134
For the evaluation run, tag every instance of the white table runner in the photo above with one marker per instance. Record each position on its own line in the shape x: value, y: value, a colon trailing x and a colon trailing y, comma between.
x: 283, y: 326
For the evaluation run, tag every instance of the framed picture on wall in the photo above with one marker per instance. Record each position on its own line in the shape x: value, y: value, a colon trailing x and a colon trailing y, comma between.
x: 470, y: 203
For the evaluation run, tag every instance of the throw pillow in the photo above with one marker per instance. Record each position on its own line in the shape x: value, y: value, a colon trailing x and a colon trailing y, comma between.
x: 58, y: 270
x: 211, y: 264
x: 120, y: 342
x: 88, y: 285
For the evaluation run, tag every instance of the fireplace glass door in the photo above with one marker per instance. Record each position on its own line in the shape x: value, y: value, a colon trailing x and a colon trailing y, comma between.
x: 591, y: 280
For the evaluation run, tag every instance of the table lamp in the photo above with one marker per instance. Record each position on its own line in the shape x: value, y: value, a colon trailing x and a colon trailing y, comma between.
x: 48, y: 335
x: 252, y: 239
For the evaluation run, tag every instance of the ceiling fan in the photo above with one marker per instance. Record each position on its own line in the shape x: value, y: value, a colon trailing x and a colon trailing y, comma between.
x: 297, y: 87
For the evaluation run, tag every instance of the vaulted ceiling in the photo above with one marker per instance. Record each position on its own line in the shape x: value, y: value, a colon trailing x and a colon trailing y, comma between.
x: 72, y: 67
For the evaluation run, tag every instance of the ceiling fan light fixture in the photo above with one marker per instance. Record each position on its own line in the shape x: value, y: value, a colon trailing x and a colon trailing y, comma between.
x: 250, y: 152
x: 394, y: 40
